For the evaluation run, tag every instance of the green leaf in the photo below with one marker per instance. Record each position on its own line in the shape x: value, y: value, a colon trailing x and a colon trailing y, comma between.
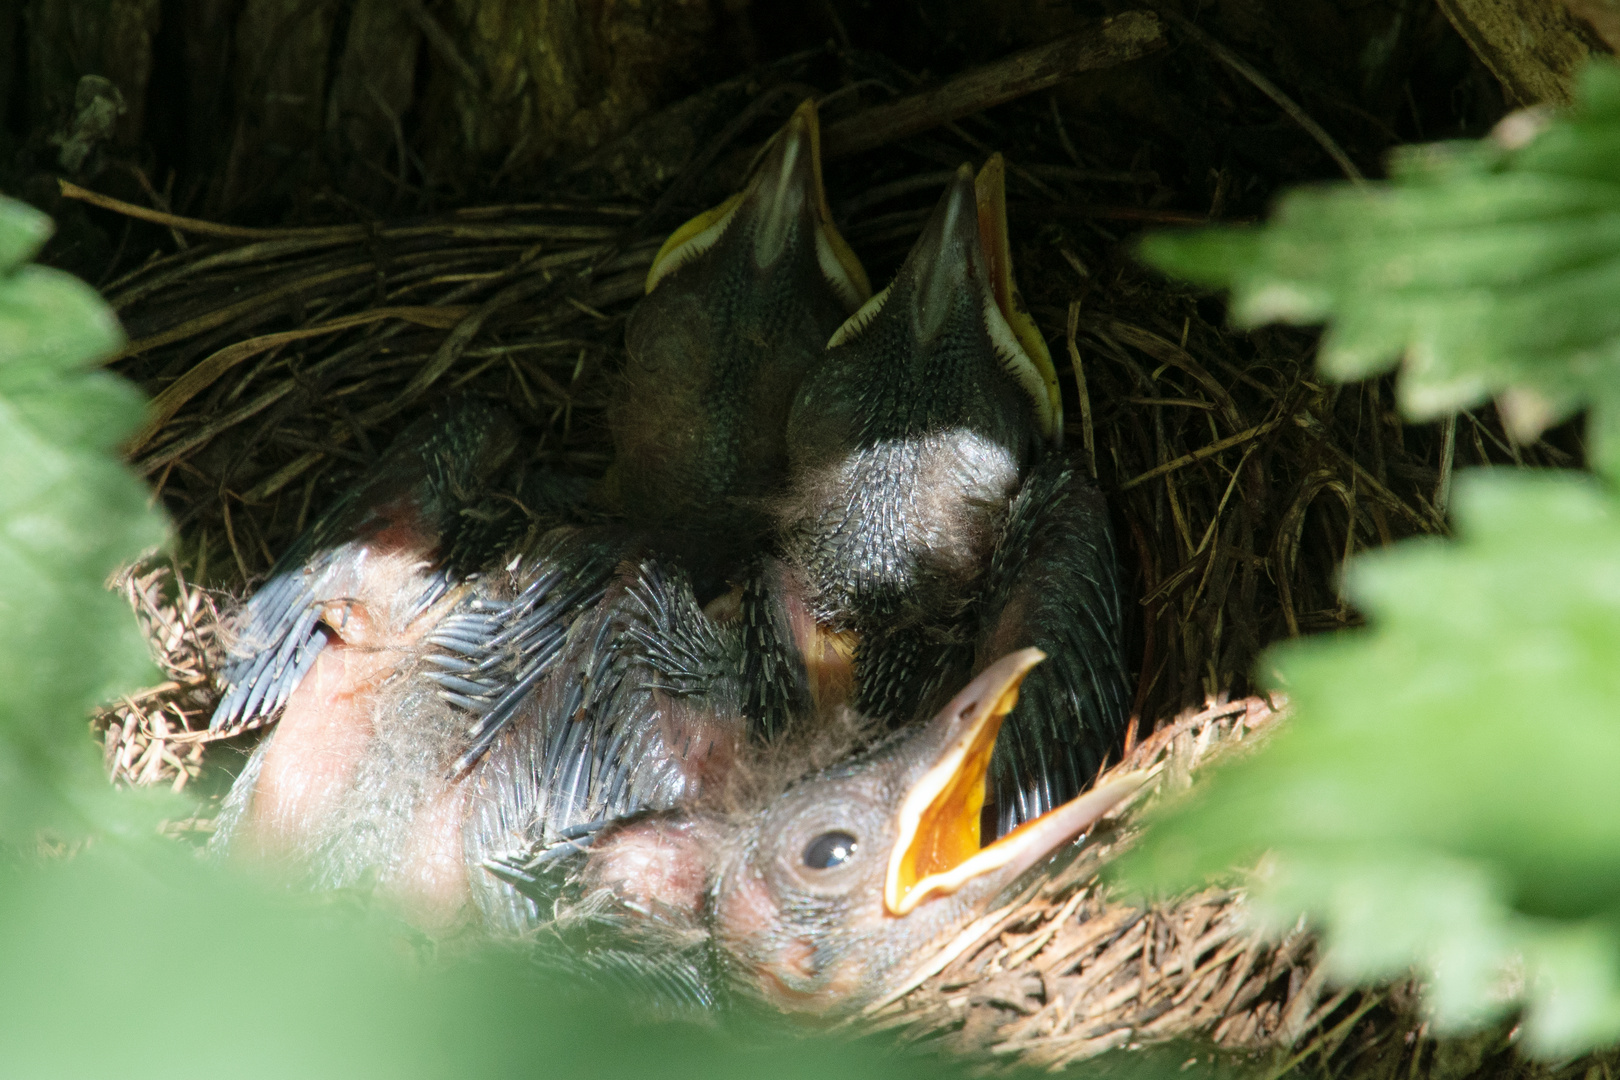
x: 1445, y: 793
x: 134, y: 961
x: 70, y: 513
x: 1484, y: 271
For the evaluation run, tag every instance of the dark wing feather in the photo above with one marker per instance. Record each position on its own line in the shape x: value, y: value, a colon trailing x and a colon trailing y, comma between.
x: 1054, y: 584
x: 676, y: 676
x: 493, y: 656
x: 434, y: 469
x: 903, y: 673
x: 775, y: 681
x: 606, y: 733
x: 689, y: 653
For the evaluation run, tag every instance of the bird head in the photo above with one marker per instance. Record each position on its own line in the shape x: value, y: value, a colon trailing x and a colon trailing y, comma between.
x: 947, y: 345
x: 769, y: 221
x: 823, y: 900
x: 740, y: 302
x: 830, y: 894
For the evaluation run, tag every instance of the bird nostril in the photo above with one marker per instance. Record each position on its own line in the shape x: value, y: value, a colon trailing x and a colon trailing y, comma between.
x: 829, y: 850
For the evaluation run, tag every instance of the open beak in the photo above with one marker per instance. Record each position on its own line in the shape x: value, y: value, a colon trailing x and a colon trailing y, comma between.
x: 1039, y: 377
x: 785, y: 186
x: 937, y: 848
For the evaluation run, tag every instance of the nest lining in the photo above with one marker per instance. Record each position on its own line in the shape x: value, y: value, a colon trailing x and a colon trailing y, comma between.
x: 1065, y: 972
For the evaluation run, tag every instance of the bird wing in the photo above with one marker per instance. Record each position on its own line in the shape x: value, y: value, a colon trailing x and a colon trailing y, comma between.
x: 666, y: 707
x: 1054, y: 584
x: 640, y: 712
x: 490, y: 657
x: 412, y: 502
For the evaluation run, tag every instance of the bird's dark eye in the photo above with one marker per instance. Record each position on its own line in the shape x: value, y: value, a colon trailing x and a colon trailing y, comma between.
x: 829, y: 850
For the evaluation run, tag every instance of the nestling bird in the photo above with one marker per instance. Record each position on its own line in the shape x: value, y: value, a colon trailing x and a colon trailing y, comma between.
x: 311, y: 647
x: 936, y: 523
x: 636, y: 708
x: 394, y: 631
x: 908, y: 439
x: 821, y: 899
x: 740, y: 302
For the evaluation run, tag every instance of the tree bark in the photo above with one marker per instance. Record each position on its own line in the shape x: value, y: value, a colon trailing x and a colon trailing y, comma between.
x: 1534, y: 48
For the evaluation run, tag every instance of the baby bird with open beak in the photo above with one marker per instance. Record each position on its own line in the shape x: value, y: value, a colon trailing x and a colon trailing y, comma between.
x: 823, y: 899
x: 740, y: 301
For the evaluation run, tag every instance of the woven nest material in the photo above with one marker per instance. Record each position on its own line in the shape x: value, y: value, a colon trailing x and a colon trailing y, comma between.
x: 281, y: 362
x: 1064, y: 972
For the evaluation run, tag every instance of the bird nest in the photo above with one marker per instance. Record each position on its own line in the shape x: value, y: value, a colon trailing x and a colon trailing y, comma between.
x: 282, y: 361
x: 1064, y: 972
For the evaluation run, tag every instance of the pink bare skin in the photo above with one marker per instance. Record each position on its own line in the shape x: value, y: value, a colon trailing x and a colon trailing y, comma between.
x: 652, y: 865
x: 431, y: 886
x: 311, y: 761
x: 311, y: 756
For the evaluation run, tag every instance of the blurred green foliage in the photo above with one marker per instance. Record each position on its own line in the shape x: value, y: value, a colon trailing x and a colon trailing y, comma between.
x: 69, y: 515
x: 1445, y: 797
x: 1445, y: 792
x: 1487, y: 269
x: 139, y: 961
